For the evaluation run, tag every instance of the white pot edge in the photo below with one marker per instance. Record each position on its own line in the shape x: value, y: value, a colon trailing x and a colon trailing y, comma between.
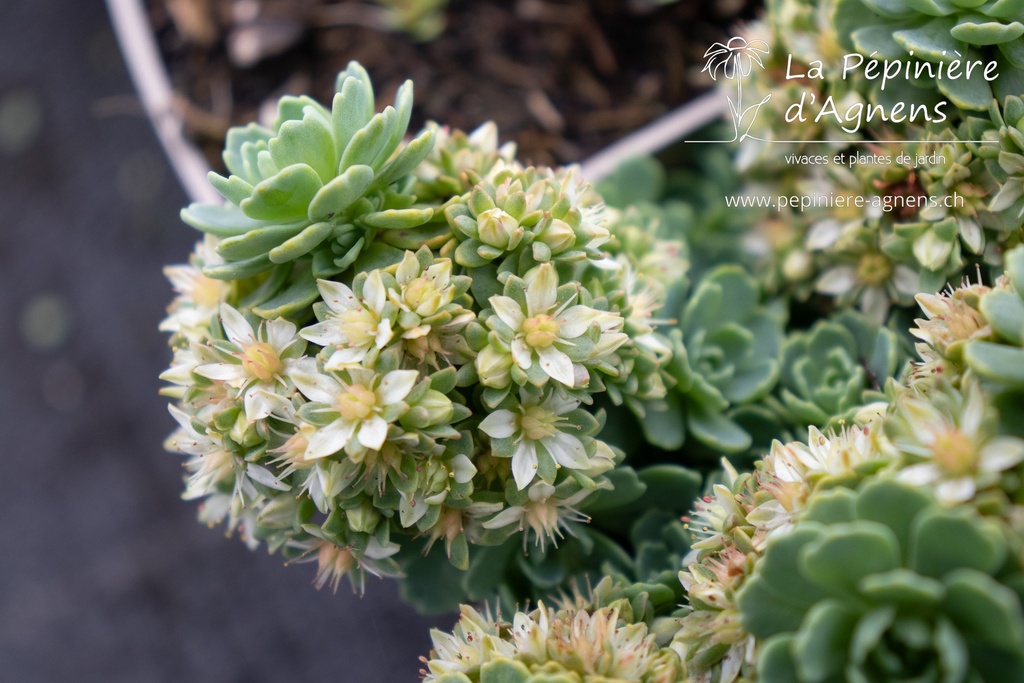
x: 138, y: 44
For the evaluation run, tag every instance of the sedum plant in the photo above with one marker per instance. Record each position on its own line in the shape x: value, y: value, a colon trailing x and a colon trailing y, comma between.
x: 672, y: 439
x: 938, y: 32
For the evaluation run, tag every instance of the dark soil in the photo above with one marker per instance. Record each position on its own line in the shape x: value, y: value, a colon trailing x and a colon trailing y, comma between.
x: 562, y: 78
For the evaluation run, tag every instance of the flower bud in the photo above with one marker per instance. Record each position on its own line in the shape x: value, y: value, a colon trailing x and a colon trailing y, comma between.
x: 497, y: 228
x: 493, y: 367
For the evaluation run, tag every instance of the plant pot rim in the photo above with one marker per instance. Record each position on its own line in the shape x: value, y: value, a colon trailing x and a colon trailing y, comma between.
x: 153, y: 85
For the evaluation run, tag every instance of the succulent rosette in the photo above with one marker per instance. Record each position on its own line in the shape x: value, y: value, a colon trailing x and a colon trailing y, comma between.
x: 318, y: 184
x: 830, y: 371
x: 725, y: 352
x: 869, y: 588
x: 939, y: 32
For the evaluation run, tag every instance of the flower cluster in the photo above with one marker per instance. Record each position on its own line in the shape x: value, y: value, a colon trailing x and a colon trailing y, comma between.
x: 381, y: 345
x: 427, y: 360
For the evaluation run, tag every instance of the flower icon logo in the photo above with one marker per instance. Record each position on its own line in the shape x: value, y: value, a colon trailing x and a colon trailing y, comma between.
x: 735, y: 60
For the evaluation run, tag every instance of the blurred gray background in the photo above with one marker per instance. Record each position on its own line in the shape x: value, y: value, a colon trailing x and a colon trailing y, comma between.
x: 104, y: 573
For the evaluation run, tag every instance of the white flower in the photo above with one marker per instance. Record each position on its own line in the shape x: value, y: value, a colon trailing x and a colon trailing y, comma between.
x: 541, y: 333
x: 260, y: 361
x: 960, y: 453
x: 199, y: 297
x: 534, y: 426
x: 354, y: 325
x: 364, y: 402
x: 545, y: 516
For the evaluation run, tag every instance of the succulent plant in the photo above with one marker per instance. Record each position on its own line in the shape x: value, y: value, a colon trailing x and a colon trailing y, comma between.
x: 725, y: 352
x: 318, y: 184
x: 525, y: 217
x: 941, y: 33
x: 459, y: 160
x: 999, y: 360
x: 830, y: 371
x: 1005, y: 160
x: 608, y: 640
x: 869, y: 588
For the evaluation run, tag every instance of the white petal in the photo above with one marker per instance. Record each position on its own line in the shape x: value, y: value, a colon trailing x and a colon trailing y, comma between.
x: 838, y: 280
x: 373, y: 432
x: 324, y: 333
x: 329, y: 439
x: 259, y: 403
x: 317, y: 387
x: 521, y: 353
x: 508, y: 311
x: 557, y: 365
x: 440, y: 274
x: 920, y: 474
x: 280, y: 333
x: 560, y: 404
x: 463, y: 469
x: 541, y: 286
x: 1001, y: 453
x: 524, y: 464
x: 955, y: 491
x: 221, y: 371
x: 973, y: 412
x: 567, y: 450
x: 505, y: 517
x: 343, y: 359
x: 500, y: 424
x: 185, y: 420
x: 264, y: 476
x: 874, y: 304
x: 374, y: 294
x: 236, y: 327
x: 338, y: 297
x: 408, y: 269
x: 906, y: 280
x: 577, y: 320
x: 396, y: 385
x: 384, y: 333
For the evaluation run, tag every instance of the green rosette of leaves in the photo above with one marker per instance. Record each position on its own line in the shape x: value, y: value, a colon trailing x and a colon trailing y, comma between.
x: 886, y: 585
x: 939, y: 31
x: 319, y: 185
x: 1002, y: 148
x: 725, y: 353
x: 1000, y: 359
x: 833, y: 369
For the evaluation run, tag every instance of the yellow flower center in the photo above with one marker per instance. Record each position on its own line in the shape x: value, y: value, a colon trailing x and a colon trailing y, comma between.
x: 359, y: 326
x: 954, y: 453
x: 356, y: 403
x: 207, y: 292
x: 260, y: 360
x: 541, y: 330
x: 874, y: 268
x: 537, y: 423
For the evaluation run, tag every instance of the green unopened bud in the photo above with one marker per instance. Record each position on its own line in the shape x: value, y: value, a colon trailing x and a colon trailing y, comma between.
x: 363, y: 518
x: 435, y: 408
x: 558, y: 236
x: 498, y: 229
x: 493, y: 367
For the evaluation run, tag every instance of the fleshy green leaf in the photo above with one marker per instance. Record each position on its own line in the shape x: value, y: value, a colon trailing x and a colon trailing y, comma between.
x: 219, y: 220
x: 284, y: 196
x: 337, y: 195
x: 301, y: 244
